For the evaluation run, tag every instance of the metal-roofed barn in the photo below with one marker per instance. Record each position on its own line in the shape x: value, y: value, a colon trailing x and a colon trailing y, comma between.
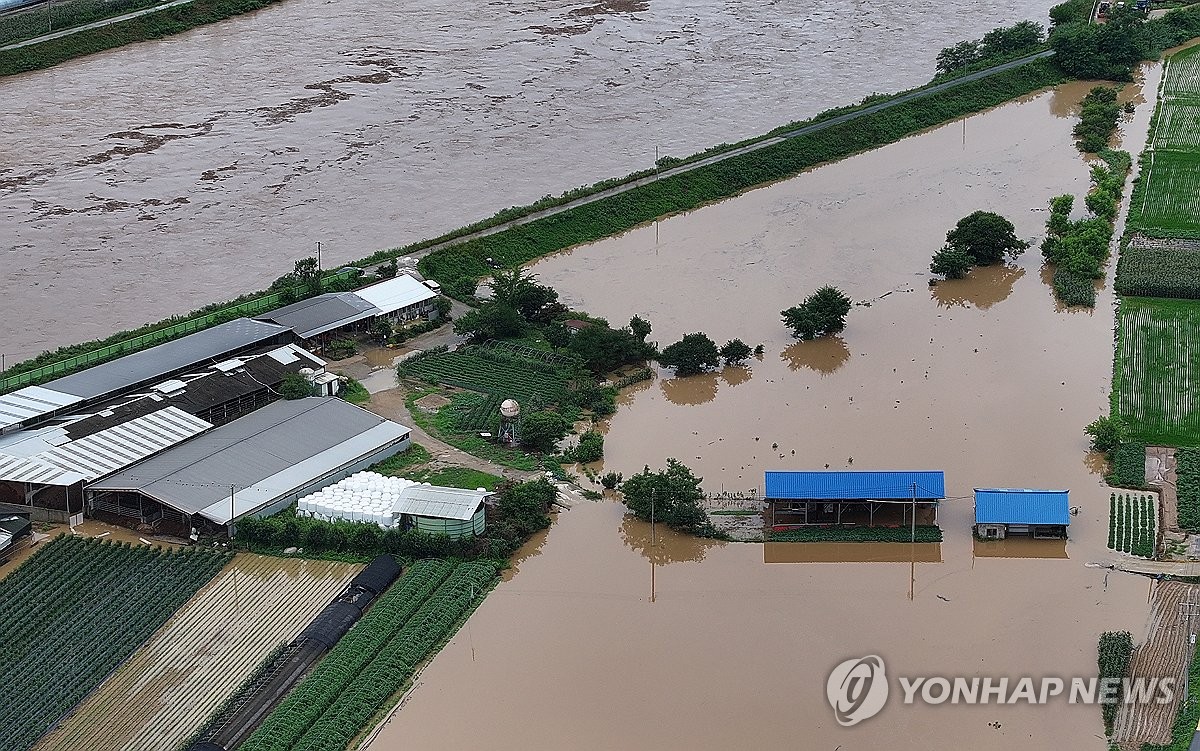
x: 33, y: 404
x: 268, y: 459
x: 1005, y: 512
x: 852, y: 497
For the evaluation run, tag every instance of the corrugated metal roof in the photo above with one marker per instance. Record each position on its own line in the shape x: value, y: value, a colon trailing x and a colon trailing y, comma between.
x: 30, y: 402
x: 1021, y: 506
x: 156, y: 363
x: 322, y: 313
x: 265, y: 455
x: 29, y: 469
x: 104, y: 452
x: 930, y: 485
x: 438, y: 502
x: 396, y: 293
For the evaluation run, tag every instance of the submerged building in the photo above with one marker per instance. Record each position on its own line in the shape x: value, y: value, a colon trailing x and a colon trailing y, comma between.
x: 1008, y: 512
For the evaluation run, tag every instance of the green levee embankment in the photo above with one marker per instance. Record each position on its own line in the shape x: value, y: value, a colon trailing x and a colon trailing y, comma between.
x: 725, y: 179
x: 150, y: 26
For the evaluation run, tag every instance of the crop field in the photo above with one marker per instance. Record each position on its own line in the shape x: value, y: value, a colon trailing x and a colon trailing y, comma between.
x: 1178, y: 125
x: 167, y: 690
x: 1169, y: 202
x: 1187, y: 485
x: 1159, y: 272
x: 73, y: 613
x: 1182, y: 76
x: 1157, y: 370
x: 1132, y: 524
x: 496, y: 373
x: 349, y: 687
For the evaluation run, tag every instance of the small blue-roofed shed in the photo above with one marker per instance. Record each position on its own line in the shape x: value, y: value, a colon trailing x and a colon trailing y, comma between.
x: 845, y: 497
x: 1003, y: 512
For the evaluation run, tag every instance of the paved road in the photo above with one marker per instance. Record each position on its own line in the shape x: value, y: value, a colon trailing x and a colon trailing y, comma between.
x: 756, y: 146
x: 94, y: 25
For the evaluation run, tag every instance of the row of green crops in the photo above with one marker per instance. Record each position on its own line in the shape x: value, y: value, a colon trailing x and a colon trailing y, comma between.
x: 495, y: 373
x: 670, y: 195
x: 74, y: 612
x: 1159, y: 272
x: 1187, y: 488
x: 1128, y: 466
x: 1114, y: 651
x: 924, y: 533
x: 284, y: 727
x: 1166, y: 197
x: 1132, y: 524
x: 1157, y: 369
x: 371, y: 663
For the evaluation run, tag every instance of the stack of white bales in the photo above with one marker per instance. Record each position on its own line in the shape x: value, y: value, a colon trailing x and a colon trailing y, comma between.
x: 361, y: 497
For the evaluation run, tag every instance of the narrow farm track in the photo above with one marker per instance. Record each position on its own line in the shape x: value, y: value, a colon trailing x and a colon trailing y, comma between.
x: 1164, y: 652
x: 172, y: 684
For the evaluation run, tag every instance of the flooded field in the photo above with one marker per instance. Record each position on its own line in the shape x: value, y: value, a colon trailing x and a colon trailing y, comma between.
x: 363, y: 126
x: 603, y: 640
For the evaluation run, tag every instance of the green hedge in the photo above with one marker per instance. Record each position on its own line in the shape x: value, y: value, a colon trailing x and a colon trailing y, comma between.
x: 522, y: 244
x: 925, y: 533
x: 1187, y: 486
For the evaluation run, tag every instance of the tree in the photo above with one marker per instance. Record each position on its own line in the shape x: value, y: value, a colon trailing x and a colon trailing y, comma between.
x: 537, y: 303
x: 295, y: 386
x: 1107, y: 433
x: 462, y: 287
x: 542, y: 430
x: 735, y: 352
x: 388, y: 270
x: 492, y: 320
x: 603, y: 349
x: 952, y: 263
x: 382, y: 330
x: 441, y: 308
x: 640, y: 328
x: 694, y: 353
x: 590, y: 448
x: 672, y: 496
x: 823, y: 312
x: 1005, y: 41
x: 525, y: 505
x: 308, y: 276
x: 959, y: 56
x: 557, y: 334
x: 986, y: 237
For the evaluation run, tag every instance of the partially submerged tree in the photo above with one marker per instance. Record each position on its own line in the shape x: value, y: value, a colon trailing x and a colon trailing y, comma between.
x: 823, y: 312
x: 640, y: 328
x: 952, y: 263
x: 986, y: 237
x: 735, y: 352
x: 694, y: 353
x: 1107, y: 433
x: 672, y: 496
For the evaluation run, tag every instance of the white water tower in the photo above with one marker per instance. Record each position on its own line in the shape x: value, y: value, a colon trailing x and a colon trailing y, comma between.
x: 510, y: 415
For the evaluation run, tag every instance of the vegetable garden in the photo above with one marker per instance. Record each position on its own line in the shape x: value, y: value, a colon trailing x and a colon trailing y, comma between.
x: 221, y: 634
x: 496, y: 371
x: 353, y: 683
x: 1187, y: 485
x: 73, y: 613
x: 1133, y: 524
x: 1157, y: 369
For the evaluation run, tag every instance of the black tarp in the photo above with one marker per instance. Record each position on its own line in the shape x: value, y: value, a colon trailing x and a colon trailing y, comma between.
x: 378, y: 575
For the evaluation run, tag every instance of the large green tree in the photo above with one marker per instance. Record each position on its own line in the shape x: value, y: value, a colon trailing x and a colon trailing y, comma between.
x: 694, y: 353
x: 542, y: 430
x: 823, y: 312
x: 602, y: 349
x: 492, y: 320
x: 735, y: 352
x: 986, y: 237
x: 672, y: 496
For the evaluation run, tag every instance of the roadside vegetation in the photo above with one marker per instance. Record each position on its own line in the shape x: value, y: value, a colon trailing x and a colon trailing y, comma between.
x: 997, y: 46
x: 1097, y: 119
x: 120, y: 593
x: 39, y: 20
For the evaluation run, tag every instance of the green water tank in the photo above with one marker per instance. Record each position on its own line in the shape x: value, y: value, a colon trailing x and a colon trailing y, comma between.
x: 453, y: 528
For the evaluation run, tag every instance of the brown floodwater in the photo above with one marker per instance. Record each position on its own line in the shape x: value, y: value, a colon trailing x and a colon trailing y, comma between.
x: 365, y: 125
x: 609, y: 636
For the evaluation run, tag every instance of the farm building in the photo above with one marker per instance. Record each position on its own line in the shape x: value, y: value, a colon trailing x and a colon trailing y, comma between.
x: 324, y: 317
x: 1005, y: 512
x: 253, y: 466
x: 46, y: 467
x: 15, y: 529
x: 442, y: 511
x: 835, y: 497
x: 33, y: 405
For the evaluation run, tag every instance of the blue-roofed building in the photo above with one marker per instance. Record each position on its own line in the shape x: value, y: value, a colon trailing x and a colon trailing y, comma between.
x: 845, y: 497
x: 1004, y: 512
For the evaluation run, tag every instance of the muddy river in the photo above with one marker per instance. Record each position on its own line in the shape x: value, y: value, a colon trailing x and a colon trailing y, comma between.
x: 602, y: 640
x: 150, y: 180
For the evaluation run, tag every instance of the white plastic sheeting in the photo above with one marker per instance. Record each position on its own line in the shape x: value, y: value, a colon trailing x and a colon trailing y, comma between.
x: 361, y: 497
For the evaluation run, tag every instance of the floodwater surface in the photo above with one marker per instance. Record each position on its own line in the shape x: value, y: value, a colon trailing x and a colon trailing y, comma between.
x: 604, y: 640
x: 150, y: 180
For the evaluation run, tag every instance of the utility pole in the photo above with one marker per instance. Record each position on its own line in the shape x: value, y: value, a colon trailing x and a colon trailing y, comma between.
x: 49, y: 15
x: 318, y: 256
x: 653, y: 529
x: 912, y: 566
